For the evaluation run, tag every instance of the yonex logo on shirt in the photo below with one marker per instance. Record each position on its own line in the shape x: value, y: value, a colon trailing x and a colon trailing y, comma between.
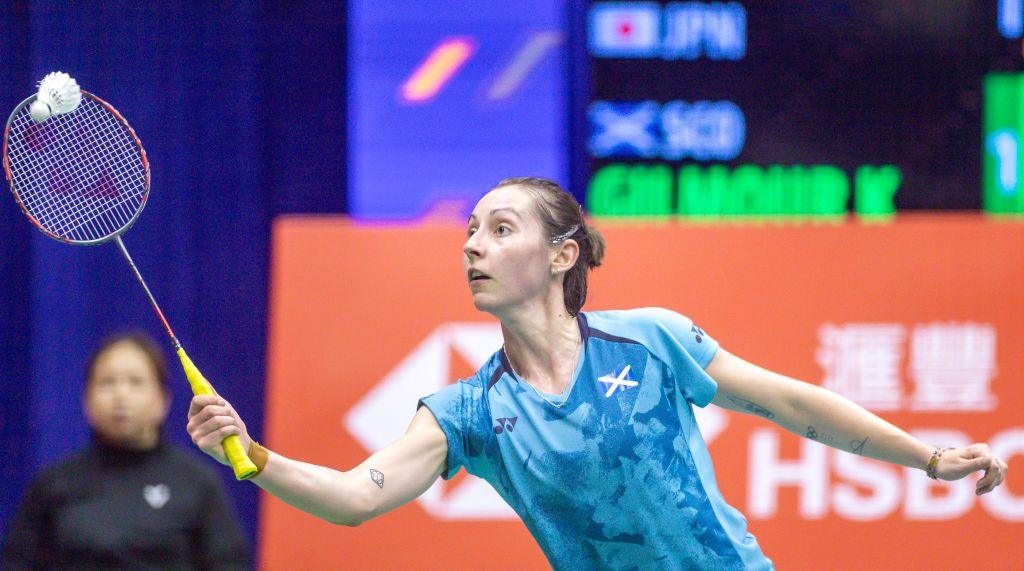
x: 505, y: 424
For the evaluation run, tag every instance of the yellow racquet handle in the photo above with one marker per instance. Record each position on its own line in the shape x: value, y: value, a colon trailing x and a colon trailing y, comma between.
x: 240, y: 462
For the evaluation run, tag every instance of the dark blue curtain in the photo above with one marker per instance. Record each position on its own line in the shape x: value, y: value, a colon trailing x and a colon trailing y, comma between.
x: 241, y: 109
x: 15, y: 286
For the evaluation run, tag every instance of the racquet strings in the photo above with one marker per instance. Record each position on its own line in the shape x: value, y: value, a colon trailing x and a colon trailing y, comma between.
x: 81, y: 176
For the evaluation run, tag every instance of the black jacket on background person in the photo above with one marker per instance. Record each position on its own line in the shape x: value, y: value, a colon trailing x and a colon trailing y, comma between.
x: 111, y: 508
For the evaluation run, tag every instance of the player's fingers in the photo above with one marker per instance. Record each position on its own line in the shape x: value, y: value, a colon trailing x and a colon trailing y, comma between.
x: 215, y: 423
x: 981, y: 462
x: 992, y: 478
x: 210, y: 411
x: 977, y: 451
x: 214, y: 439
x: 238, y: 418
x: 986, y: 488
x: 1001, y: 468
x: 197, y: 420
x: 200, y: 401
x: 986, y: 481
x: 201, y: 434
x: 231, y: 410
x: 211, y: 427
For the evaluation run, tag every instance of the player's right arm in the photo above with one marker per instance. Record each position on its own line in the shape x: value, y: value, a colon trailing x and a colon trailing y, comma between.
x: 387, y: 479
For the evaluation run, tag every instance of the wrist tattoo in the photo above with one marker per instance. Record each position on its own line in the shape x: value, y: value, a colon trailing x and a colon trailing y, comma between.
x: 857, y: 446
x: 378, y: 477
x: 752, y: 407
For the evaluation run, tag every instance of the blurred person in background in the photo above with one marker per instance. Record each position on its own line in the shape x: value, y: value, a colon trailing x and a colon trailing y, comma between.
x: 583, y: 421
x: 130, y: 500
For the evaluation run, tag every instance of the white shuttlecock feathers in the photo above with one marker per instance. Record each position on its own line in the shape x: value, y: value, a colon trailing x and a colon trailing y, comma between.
x: 58, y: 94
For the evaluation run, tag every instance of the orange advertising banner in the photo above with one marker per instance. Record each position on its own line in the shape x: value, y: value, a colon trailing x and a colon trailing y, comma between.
x: 920, y: 320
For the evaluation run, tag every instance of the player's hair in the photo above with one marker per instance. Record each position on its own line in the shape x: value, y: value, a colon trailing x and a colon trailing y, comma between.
x: 561, y: 219
x: 141, y: 341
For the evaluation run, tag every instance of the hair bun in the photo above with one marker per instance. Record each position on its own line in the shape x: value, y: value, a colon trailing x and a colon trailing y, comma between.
x: 596, y: 246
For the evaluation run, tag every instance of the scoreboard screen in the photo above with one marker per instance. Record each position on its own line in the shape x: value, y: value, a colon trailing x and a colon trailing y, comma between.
x: 717, y: 109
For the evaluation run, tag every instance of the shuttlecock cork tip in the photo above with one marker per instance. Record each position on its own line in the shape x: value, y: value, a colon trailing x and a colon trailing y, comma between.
x: 59, y: 92
x: 39, y: 111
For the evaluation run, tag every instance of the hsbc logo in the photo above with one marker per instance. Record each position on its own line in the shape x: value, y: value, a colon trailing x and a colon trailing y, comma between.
x: 383, y: 414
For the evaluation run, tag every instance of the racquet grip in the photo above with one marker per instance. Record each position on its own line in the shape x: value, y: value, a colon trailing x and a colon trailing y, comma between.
x: 240, y: 462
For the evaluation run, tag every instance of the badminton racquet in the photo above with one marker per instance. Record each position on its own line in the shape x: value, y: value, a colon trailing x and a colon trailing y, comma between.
x: 82, y: 177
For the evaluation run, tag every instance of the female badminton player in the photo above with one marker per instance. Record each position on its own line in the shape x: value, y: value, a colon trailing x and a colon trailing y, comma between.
x: 583, y: 421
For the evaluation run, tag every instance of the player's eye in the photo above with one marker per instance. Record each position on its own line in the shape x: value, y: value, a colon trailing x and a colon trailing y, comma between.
x: 470, y: 231
x: 502, y: 230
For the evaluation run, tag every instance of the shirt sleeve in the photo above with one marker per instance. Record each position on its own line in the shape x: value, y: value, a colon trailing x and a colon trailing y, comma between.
x: 457, y: 409
x: 691, y: 343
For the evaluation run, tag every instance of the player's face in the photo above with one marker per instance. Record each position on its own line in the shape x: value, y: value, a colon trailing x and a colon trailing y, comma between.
x: 506, y: 259
x: 124, y: 401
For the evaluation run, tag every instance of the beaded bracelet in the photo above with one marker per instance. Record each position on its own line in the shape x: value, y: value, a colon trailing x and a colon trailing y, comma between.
x: 933, y: 463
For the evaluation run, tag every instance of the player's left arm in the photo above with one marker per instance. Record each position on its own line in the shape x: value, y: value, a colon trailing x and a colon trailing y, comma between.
x: 822, y: 415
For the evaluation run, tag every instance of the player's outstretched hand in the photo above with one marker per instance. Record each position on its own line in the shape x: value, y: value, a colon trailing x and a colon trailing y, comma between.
x: 211, y: 419
x: 959, y: 462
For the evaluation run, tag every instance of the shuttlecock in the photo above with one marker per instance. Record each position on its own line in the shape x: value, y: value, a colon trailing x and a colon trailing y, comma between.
x: 58, y: 94
x: 40, y: 111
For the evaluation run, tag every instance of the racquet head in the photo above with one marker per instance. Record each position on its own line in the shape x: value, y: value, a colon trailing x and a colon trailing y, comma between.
x: 81, y: 177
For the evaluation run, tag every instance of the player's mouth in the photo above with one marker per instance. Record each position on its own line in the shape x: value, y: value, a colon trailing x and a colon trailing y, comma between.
x: 476, y: 277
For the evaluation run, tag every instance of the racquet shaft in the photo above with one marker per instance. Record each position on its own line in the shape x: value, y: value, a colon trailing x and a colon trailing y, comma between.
x: 149, y: 294
x: 240, y: 462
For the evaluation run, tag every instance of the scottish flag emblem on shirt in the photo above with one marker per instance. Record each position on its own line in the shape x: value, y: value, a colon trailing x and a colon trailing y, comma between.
x: 618, y: 382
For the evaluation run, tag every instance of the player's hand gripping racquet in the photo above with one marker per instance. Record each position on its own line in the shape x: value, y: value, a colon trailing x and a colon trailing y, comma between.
x: 83, y: 178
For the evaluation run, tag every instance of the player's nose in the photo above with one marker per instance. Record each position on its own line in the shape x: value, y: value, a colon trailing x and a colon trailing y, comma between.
x: 472, y: 248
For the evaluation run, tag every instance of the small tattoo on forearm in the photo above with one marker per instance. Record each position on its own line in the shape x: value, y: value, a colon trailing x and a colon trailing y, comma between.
x: 378, y: 477
x: 753, y: 407
x: 857, y: 446
x: 813, y: 434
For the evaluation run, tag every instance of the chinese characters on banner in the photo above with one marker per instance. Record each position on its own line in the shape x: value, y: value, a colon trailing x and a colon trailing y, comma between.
x: 950, y: 366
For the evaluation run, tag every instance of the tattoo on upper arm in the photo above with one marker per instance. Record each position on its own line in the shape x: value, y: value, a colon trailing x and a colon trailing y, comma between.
x: 752, y: 407
x: 857, y: 446
x: 813, y: 434
x: 378, y: 477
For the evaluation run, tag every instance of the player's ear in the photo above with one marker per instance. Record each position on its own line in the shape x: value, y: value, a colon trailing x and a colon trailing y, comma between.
x: 564, y: 256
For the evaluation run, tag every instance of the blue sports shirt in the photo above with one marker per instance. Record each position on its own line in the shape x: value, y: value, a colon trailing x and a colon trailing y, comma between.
x: 614, y: 472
